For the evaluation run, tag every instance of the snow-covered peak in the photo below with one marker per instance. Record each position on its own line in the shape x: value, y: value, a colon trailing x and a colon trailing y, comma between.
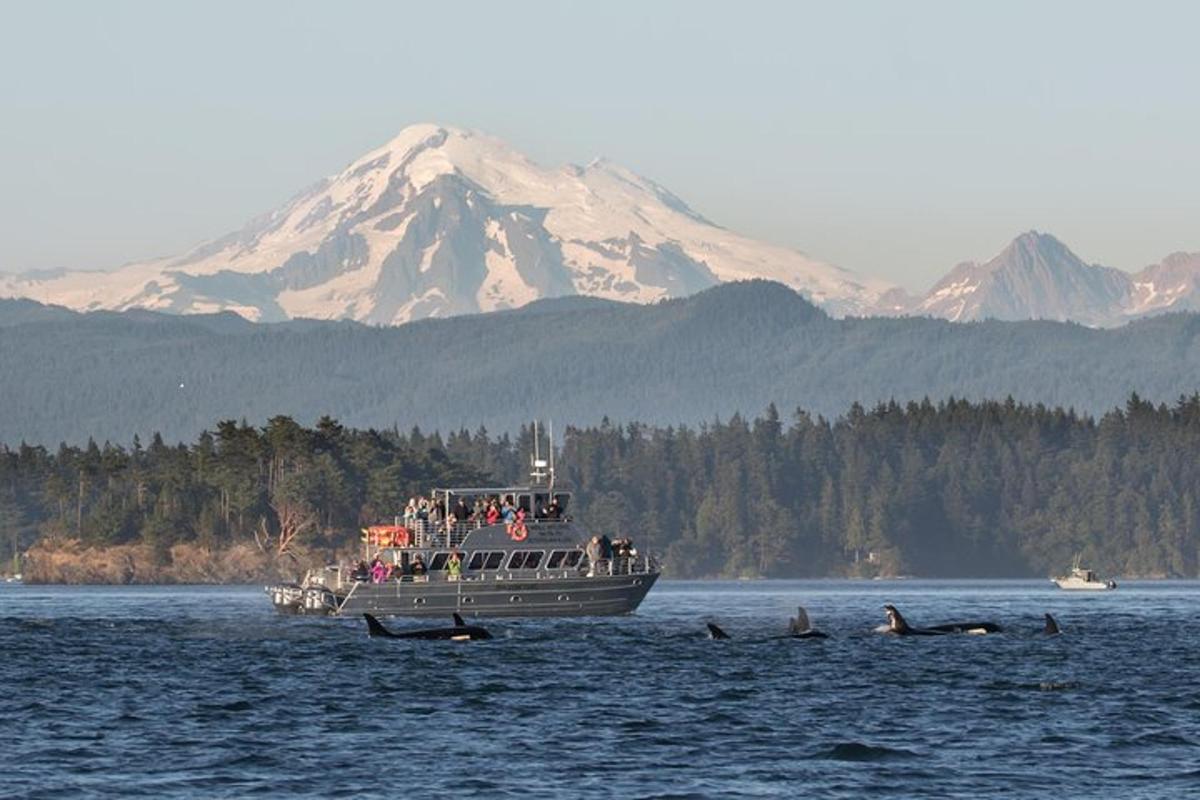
x: 442, y: 220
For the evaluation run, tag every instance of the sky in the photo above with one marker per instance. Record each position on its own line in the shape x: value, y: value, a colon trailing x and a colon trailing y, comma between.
x: 893, y: 139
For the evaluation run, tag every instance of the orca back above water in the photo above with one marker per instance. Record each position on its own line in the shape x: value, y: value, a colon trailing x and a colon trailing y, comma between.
x: 800, y: 628
x: 1051, y: 628
x: 715, y: 632
x: 460, y: 632
x: 899, y: 626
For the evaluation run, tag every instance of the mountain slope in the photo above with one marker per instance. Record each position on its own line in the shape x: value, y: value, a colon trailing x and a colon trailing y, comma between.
x: 1035, y: 277
x: 736, y: 347
x: 1038, y: 277
x: 441, y: 221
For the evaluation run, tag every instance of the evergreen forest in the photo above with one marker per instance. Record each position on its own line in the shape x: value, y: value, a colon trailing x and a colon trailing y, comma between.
x: 955, y: 488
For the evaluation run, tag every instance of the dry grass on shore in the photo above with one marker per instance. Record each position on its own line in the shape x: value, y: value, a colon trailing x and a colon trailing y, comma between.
x: 71, y: 562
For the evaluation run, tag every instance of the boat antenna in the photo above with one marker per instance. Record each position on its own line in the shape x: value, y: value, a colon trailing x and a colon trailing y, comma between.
x: 551, y: 422
x: 539, y: 465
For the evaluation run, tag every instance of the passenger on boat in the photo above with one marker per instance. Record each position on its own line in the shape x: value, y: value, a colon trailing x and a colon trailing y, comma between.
x: 418, y: 566
x: 553, y: 511
x: 461, y: 512
x: 595, y: 556
x: 402, y: 570
x: 479, y: 511
x: 493, y: 513
x: 361, y: 573
x: 453, y: 566
x: 508, y: 512
x: 410, y: 513
x: 378, y: 571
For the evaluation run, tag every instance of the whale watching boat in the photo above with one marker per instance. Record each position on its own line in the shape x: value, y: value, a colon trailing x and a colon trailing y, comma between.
x: 531, y: 560
x: 1082, y: 580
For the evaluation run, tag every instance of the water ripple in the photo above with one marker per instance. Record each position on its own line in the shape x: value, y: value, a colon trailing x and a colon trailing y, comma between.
x: 184, y: 692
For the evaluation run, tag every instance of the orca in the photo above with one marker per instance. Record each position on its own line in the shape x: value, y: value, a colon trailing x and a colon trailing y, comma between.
x: 716, y: 633
x: 461, y: 632
x: 800, y: 628
x: 1051, y: 628
x: 899, y: 626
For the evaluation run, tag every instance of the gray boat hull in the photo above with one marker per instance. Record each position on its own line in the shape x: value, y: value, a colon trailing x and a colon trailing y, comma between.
x: 539, y: 597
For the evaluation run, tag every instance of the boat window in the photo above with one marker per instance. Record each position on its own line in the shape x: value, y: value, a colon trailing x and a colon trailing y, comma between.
x: 573, y: 558
x: 563, y: 500
x: 476, y: 561
x: 517, y: 560
x: 494, y: 560
x: 523, y: 502
x: 533, y: 559
x: 540, y: 501
x: 439, y: 561
x: 556, y: 559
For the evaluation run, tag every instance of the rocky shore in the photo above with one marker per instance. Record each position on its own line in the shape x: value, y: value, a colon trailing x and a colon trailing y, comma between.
x: 71, y: 562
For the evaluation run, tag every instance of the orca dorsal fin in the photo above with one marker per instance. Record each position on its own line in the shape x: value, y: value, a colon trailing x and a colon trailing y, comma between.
x: 715, y: 632
x: 801, y: 624
x: 896, y: 620
x: 458, y: 621
x: 375, y: 627
x: 1051, y: 628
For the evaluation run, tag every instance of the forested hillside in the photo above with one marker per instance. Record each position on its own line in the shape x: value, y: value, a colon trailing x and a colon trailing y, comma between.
x: 952, y: 489
x: 736, y: 347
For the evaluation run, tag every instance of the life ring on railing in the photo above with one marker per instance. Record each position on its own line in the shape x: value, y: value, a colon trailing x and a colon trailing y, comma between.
x: 518, y: 532
x: 388, y: 536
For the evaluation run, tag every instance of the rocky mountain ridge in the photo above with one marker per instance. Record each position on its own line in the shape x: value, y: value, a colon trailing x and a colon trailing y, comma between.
x: 1038, y: 277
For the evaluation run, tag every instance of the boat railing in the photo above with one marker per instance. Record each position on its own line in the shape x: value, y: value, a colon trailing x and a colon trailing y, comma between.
x: 618, y: 565
x: 428, y: 533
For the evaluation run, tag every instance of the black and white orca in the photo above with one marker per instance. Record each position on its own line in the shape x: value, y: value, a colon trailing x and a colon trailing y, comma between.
x: 898, y: 626
x: 1051, y: 628
x: 798, y: 628
x: 714, y: 632
x: 461, y: 632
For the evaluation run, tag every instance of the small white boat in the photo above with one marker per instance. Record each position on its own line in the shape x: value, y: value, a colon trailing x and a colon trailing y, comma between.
x: 1082, y: 579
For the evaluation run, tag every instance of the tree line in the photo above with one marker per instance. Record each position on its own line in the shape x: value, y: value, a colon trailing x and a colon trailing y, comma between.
x: 734, y: 347
x: 956, y: 488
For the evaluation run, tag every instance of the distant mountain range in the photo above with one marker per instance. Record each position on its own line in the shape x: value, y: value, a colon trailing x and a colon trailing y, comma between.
x: 442, y: 221
x: 1038, y: 277
x: 735, y: 347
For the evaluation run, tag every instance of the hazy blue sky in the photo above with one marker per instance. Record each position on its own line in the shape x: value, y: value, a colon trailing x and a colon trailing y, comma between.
x: 891, y: 138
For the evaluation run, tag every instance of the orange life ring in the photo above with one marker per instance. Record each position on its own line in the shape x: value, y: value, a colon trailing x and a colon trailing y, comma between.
x: 518, y: 531
x: 403, y: 537
x: 388, y: 535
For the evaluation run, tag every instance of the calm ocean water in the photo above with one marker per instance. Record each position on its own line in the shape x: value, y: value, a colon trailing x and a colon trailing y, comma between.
x: 184, y: 692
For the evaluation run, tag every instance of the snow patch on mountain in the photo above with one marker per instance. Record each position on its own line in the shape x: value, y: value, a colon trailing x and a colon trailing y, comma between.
x: 442, y: 221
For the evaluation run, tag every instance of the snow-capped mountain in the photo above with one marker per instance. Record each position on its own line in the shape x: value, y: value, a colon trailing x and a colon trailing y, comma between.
x: 1171, y: 285
x: 441, y: 221
x: 1038, y: 277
